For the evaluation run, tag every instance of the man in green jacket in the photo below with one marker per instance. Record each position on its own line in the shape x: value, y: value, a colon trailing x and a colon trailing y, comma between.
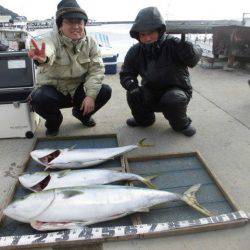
x: 70, y: 70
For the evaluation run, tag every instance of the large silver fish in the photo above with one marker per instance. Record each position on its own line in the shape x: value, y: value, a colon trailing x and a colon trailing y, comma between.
x: 39, y: 181
x: 79, y: 158
x: 68, y: 208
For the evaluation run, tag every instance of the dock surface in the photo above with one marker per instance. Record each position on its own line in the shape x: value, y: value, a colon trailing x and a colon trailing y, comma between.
x: 220, y: 110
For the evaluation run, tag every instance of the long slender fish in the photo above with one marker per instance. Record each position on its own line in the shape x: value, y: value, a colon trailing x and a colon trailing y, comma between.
x: 79, y: 158
x: 68, y: 208
x: 39, y: 181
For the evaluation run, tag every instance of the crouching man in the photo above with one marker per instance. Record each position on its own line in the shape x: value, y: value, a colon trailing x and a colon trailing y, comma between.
x: 162, y: 61
x: 70, y: 70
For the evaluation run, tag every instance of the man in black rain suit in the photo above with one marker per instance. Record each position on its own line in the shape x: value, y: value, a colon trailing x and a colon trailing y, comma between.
x: 162, y: 61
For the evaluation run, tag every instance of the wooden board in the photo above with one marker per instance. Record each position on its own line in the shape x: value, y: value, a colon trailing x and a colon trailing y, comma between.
x: 176, y: 173
x: 11, y: 227
x: 122, y: 229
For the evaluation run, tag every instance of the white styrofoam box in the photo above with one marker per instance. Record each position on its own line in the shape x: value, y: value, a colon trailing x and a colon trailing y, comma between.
x: 17, y: 120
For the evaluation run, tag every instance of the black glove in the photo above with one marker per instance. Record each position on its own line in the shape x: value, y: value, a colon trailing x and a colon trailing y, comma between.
x: 189, y: 54
x: 136, y: 96
x: 185, y: 49
x: 129, y: 83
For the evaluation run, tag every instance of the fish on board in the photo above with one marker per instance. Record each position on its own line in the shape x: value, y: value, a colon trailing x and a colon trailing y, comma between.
x: 40, y: 181
x: 79, y: 158
x: 69, y: 208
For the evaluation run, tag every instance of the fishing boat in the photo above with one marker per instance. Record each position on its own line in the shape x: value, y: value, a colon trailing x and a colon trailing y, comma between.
x: 14, y: 39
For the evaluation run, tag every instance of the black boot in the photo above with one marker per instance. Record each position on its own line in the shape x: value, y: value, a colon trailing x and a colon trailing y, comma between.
x: 131, y: 122
x: 52, y: 132
x: 189, y: 131
x: 88, y: 122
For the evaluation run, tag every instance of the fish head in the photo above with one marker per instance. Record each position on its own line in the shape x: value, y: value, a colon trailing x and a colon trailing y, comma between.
x: 39, y: 153
x: 27, y: 208
x: 61, y: 157
x: 45, y: 156
x: 35, y: 181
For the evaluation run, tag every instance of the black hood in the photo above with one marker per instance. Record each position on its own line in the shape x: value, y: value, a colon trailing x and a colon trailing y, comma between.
x: 148, y: 19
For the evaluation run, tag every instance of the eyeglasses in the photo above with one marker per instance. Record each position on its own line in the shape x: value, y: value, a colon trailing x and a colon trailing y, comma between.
x: 72, y: 22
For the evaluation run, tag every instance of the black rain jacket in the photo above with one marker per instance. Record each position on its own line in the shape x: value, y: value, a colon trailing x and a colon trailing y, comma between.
x: 163, y: 64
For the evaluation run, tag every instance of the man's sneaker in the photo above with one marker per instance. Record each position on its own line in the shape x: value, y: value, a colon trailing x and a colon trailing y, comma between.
x: 131, y: 122
x: 189, y: 131
x: 52, y: 132
x: 88, y: 122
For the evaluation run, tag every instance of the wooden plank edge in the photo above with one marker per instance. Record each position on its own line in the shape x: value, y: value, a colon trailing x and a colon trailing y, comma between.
x: 159, y: 156
x: 12, y: 191
x: 75, y: 137
x: 230, y: 200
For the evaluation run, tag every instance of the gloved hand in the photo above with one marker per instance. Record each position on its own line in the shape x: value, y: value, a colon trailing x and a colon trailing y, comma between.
x: 185, y: 49
x: 136, y: 96
x: 189, y: 54
x: 129, y: 83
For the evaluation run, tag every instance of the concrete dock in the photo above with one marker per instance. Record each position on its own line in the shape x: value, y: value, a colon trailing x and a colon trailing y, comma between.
x: 220, y: 110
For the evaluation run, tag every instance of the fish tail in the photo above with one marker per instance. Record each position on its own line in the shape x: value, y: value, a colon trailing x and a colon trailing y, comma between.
x: 148, y: 183
x: 144, y: 145
x: 190, y: 198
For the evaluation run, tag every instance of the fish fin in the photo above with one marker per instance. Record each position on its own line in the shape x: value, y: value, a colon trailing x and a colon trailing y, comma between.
x: 51, y: 226
x: 72, y: 147
x: 190, y: 198
x: 71, y: 193
x: 63, y: 173
x: 144, y: 145
x: 143, y: 210
x: 148, y: 183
